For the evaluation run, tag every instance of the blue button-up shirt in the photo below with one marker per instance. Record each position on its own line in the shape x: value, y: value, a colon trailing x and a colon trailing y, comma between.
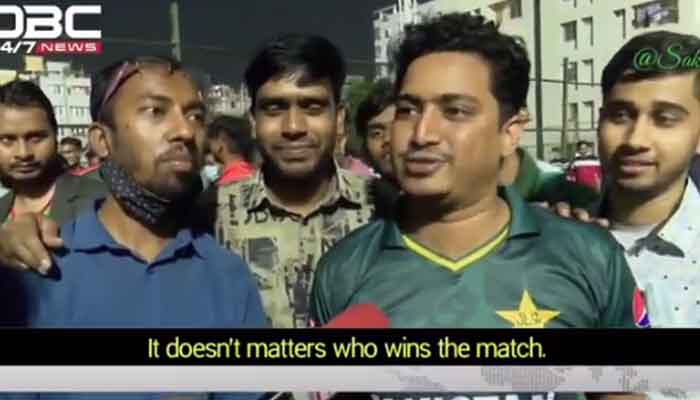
x: 98, y: 283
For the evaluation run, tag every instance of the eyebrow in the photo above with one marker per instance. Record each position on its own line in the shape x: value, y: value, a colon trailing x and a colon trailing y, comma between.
x: 674, y: 106
x: 165, y: 99
x: 656, y: 105
x: 443, y: 98
x: 376, y: 125
x: 194, y: 105
x: 155, y: 97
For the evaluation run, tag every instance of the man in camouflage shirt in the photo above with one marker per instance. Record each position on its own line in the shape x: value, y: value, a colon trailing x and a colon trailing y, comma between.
x: 301, y: 202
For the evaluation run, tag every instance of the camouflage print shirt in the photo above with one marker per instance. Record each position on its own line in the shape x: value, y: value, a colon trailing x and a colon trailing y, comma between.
x: 282, y: 247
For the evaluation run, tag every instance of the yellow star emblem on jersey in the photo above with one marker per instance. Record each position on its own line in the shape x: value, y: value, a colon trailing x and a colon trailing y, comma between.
x: 527, y: 315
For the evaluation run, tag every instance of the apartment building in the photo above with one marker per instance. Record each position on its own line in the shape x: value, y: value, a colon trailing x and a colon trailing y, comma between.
x: 585, y: 33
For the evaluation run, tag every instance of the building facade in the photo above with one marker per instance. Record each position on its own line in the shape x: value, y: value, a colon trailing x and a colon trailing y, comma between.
x: 223, y: 99
x: 585, y: 33
x: 69, y: 91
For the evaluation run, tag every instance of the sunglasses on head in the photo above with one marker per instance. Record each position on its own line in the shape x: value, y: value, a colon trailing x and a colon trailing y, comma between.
x: 125, y: 71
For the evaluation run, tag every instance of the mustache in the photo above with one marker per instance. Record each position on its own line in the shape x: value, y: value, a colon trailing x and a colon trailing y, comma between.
x: 426, y: 155
x: 627, y: 154
x: 179, y: 153
x: 21, y: 165
x: 295, y: 144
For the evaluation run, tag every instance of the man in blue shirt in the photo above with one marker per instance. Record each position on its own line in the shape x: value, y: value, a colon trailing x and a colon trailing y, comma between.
x: 137, y: 259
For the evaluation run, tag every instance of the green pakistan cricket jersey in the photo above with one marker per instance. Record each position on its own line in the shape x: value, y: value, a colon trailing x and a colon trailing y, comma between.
x: 541, y: 271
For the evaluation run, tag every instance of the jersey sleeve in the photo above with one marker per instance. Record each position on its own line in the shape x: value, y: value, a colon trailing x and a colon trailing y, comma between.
x: 321, y: 302
x: 623, y: 308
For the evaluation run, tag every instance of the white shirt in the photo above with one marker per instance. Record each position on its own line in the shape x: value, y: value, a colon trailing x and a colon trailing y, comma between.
x: 665, y: 261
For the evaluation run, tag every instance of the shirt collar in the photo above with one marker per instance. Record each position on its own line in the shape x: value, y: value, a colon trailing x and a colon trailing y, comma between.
x: 90, y: 235
x: 523, y: 221
x: 344, y: 187
x: 681, y: 229
x: 675, y: 231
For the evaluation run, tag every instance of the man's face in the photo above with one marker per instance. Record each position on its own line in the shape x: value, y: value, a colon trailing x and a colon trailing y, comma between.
x: 446, y: 139
x: 71, y: 153
x: 296, y: 126
x: 649, y: 132
x: 584, y: 149
x: 160, y: 131
x: 378, y: 140
x: 27, y: 143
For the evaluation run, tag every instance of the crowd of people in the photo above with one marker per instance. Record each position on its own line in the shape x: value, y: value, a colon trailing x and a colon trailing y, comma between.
x: 184, y: 220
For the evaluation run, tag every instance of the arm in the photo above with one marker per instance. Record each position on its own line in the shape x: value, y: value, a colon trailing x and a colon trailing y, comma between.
x: 25, y: 243
x: 620, y: 307
x: 321, y: 310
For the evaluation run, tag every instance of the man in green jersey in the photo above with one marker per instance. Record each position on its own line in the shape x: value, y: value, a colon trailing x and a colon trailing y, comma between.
x: 464, y: 252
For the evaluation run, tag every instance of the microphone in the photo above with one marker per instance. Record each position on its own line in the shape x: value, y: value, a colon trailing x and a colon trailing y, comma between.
x: 360, y: 316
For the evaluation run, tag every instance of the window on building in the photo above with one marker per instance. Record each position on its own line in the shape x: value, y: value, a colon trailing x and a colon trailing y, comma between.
x: 589, y: 110
x: 658, y: 12
x: 588, y: 71
x: 59, y: 110
x: 516, y: 9
x: 622, y: 17
x: 569, y: 32
x: 588, y: 29
x: 573, y: 115
x: 570, y: 2
x: 378, y: 50
x: 377, y: 32
x: 572, y: 73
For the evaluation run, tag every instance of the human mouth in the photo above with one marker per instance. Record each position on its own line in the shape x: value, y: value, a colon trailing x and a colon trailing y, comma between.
x: 26, y: 168
x: 293, y: 151
x: 180, y: 162
x: 424, y: 163
x: 635, y: 166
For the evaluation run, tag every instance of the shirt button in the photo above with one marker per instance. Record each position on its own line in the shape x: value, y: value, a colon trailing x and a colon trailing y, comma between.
x: 676, y: 308
x: 665, y: 276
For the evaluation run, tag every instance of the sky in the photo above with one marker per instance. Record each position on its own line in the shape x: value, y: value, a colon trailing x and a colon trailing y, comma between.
x: 239, y: 26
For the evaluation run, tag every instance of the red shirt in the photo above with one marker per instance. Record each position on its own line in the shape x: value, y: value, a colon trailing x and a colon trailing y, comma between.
x: 84, y: 171
x: 236, y: 171
x: 586, y: 172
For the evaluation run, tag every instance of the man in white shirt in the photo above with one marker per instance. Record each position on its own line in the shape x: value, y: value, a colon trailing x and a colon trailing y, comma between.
x: 649, y: 133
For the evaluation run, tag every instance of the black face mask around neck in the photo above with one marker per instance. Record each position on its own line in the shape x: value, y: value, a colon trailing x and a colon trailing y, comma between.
x: 139, y: 202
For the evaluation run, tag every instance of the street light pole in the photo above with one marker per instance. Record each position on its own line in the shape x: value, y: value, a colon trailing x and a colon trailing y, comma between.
x: 175, y: 29
x: 538, y: 80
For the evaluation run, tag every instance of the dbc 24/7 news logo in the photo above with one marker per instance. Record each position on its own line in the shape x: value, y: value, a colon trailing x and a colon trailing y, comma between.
x: 48, y: 30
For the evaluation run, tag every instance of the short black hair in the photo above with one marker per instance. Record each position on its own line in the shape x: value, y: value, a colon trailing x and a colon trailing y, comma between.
x: 380, y: 96
x: 650, y: 55
x: 239, y: 135
x: 103, y: 79
x: 315, y: 57
x: 71, y: 140
x: 463, y: 32
x: 21, y: 93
